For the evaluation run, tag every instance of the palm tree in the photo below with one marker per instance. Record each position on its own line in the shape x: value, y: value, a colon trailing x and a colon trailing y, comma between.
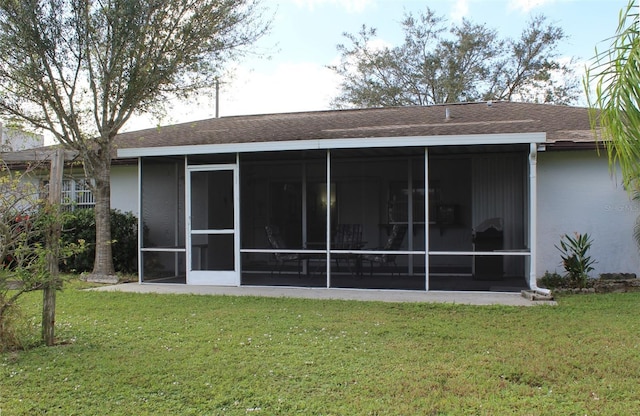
x: 612, y: 85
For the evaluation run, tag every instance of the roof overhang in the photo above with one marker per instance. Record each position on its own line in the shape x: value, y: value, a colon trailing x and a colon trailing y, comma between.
x: 36, y: 155
x: 347, y: 143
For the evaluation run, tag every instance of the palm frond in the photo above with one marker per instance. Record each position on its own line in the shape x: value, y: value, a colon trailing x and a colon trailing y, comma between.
x: 614, y: 78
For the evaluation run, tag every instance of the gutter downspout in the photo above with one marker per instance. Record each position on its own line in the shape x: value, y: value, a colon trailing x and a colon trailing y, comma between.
x: 533, y: 220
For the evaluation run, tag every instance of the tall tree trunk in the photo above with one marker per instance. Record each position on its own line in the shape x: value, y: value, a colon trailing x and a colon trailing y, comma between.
x: 103, y: 270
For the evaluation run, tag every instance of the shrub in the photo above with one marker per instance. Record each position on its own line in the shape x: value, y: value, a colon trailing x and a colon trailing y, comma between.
x: 575, y: 259
x: 553, y: 281
x: 80, y: 225
x: 9, y: 323
x: 25, y: 265
x: 124, y: 233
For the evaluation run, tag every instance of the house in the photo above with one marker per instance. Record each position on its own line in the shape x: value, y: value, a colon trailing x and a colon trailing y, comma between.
x: 13, y: 139
x: 76, y: 192
x: 470, y: 196
x: 22, y: 150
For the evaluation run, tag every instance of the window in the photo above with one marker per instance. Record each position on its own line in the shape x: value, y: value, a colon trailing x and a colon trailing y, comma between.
x: 76, y: 193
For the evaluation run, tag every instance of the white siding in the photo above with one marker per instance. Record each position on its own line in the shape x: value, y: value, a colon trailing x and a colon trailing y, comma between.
x: 576, y: 193
x: 124, y: 188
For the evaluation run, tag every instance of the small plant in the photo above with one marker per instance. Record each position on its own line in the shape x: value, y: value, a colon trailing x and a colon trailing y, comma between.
x: 553, y: 281
x: 575, y: 259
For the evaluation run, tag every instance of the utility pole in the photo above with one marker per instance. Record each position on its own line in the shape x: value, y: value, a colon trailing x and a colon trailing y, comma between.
x: 217, y: 98
x: 52, y: 248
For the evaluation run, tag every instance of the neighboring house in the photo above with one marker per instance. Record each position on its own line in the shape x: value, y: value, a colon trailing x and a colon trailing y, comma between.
x: 477, y: 194
x: 13, y: 139
x: 76, y: 193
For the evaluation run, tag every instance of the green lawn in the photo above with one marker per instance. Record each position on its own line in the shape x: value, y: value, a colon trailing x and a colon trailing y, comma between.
x: 123, y: 353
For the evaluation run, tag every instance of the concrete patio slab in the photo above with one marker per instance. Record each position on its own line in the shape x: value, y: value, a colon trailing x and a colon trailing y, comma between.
x: 464, y: 298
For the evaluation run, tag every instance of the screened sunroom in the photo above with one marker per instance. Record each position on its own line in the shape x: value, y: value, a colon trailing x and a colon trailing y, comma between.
x: 414, y: 213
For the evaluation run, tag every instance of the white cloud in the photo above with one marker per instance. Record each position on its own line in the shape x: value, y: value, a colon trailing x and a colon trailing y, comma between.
x: 290, y: 87
x: 351, y: 6
x: 377, y: 44
x: 460, y: 10
x: 527, y: 5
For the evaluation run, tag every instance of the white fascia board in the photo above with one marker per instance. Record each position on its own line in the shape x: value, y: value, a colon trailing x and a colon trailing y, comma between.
x: 352, y: 143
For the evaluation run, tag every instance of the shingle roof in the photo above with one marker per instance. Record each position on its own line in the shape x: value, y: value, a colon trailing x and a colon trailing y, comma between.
x: 563, y: 125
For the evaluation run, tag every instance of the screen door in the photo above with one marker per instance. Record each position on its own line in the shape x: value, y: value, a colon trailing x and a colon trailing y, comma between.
x: 213, y: 222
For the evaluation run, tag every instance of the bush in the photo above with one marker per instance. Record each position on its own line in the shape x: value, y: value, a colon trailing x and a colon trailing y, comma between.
x: 80, y: 225
x: 576, y: 261
x: 553, y: 281
x: 24, y: 268
x: 124, y: 233
x: 9, y: 323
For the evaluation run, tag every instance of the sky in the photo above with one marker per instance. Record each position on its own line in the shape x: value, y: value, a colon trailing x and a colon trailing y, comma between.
x: 292, y: 74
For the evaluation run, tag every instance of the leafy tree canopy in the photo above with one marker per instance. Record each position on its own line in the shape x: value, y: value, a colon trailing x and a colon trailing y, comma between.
x: 463, y: 62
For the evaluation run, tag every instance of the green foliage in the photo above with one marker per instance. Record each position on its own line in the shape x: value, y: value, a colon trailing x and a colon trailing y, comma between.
x: 466, y: 62
x: 149, y: 354
x: 18, y: 261
x: 553, y: 281
x: 80, y: 69
x: 124, y: 231
x: 576, y: 261
x: 81, y: 225
x: 9, y: 327
x: 42, y: 70
x: 612, y: 86
x: 636, y: 226
x: 25, y: 222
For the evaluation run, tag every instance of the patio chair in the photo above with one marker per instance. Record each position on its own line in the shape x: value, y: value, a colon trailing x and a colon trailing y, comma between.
x: 394, y: 241
x: 277, y: 243
x: 347, y: 237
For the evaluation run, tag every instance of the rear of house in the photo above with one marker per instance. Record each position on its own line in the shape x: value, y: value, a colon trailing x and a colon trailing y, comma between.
x: 457, y: 197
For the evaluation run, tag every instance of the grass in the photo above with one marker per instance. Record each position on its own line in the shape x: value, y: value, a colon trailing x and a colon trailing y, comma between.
x: 123, y: 353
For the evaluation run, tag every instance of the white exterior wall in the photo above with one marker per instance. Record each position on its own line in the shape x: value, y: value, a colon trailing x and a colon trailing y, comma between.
x: 124, y: 188
x: 576, y: 193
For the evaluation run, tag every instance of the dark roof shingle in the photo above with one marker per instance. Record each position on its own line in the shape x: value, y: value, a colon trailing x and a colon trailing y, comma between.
x: 560, y: 123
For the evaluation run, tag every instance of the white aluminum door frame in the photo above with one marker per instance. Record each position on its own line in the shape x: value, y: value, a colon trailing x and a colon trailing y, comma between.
x: 214, y: 277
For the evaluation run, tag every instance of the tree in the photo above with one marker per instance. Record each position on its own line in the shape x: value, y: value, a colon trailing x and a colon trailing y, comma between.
x: 468, y: 62
x: 80, y: 69
x: 612, y: 84
x: 30, y: 248
x: 18, y: 197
